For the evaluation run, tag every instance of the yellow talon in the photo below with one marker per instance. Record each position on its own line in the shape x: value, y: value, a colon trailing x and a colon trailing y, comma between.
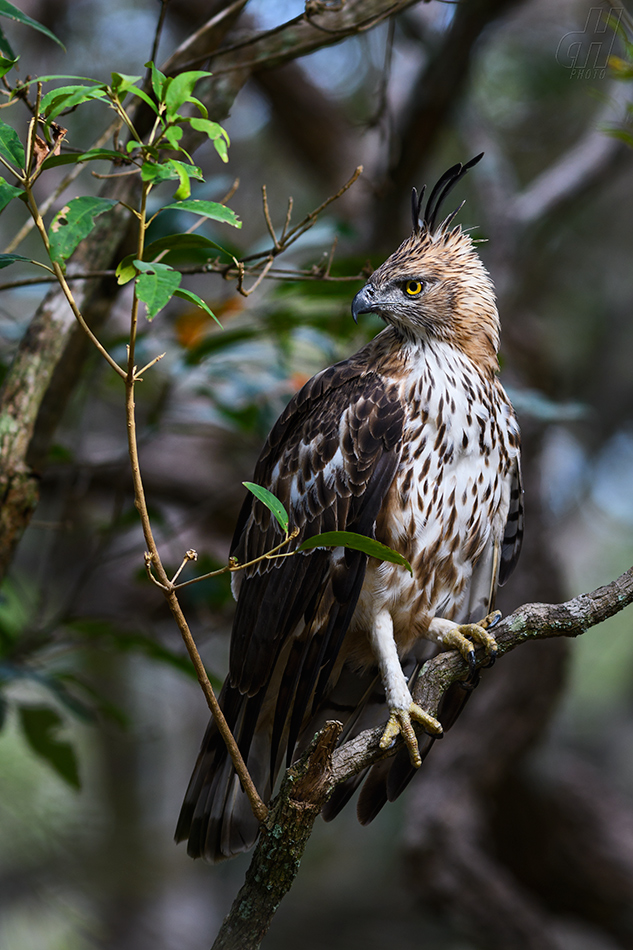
x: 464, y: 637
x: 399, y: 723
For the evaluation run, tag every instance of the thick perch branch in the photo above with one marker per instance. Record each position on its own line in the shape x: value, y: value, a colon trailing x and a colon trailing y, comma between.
x: 309, y: 783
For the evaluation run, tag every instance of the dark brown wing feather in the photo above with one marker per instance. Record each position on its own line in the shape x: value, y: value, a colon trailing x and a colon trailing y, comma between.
x: 330, y: 459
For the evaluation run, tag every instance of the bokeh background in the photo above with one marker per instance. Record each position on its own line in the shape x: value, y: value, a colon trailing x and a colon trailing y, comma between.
x: 518, y: 833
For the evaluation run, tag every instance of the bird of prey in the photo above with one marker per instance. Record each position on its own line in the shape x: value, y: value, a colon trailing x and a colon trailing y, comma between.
x: 411, y: 441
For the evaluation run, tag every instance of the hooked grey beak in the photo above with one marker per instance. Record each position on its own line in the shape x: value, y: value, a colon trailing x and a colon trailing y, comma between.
x: 362, y: 302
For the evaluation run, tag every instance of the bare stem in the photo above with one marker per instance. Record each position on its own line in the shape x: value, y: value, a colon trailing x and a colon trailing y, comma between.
x: 153, y: 559
x: 269, y: 223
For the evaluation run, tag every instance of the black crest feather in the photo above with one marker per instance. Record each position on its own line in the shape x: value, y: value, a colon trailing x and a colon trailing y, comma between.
x: 440, y: 192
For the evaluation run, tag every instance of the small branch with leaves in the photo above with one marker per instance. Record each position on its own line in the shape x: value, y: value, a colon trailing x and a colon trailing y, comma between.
x: 154, y: 284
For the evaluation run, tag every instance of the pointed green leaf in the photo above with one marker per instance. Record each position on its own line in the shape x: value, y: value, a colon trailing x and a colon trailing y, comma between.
x: 73, y: 223
x: 359, y: 542
x: 155, y: 285
x: 207, y: 209
x: 195, y: 299
x: 177, y: 242
x: 66, y: 97
x: 173, y: 135
x: 6, y: 64
x: 212, y: 129
x: 220, y: 147
x: 273, y: 504
x: 92, y: 155
x: 11, y: 147
x: 215, y: 132
x: 158, y: 81
x: 122, y: 82
x: 135, y: 91
x: 126, y: 270
x: 40, y: 725
x: 169, y: 170
x: 6, y: 259
x: 180, y: 89
x: 200, y: 106
x: 8, y: 10
x: 8, y: 193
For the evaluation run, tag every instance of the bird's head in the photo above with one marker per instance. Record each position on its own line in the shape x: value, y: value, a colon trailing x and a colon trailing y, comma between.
x: 435, y: 285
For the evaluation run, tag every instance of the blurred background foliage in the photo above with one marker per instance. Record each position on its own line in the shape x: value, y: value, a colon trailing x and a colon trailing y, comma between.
x: 101, y: 715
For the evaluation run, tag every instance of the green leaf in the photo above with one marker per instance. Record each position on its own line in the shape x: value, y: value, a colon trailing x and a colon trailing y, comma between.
x: 135, y: 91
x: 207, y: 209
x: 92, y: 155
x: 180, y: 89
x: 40, y: 725
x: 185, y: 174
x: 126, y: 270
x: 11, y: 147
x: 66, y: 97
x: 73, y: 223
x: 173, y: 135
x: 212, y: 129
x: 155, y: 285
x: 6, y: 259
x: 158, y: 81
x: 6, y: 64
x: 220, y: 147
x: 8, y: 193
x: 167, y: 171
x: 8, y: 10
x: 122, y: 82
x: 195, y: 299
x: 272, y: 503
x: 200, y: 106
x: 177, y: 242
x: 359, y: 542
x: 216, y: 133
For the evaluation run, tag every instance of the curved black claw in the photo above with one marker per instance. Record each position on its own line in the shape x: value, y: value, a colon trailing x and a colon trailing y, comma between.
x: 472, y: 662
x: 496, y: 619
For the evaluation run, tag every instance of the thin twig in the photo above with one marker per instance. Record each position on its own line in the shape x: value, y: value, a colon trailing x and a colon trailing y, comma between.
x: 80, y: 319
x: 234, y: 565
x: 153, y: 558
x: 190, y: 555
x: 139, y: 375
x: 288, y: 217
x: 240, y: 284
x: 269, y: 223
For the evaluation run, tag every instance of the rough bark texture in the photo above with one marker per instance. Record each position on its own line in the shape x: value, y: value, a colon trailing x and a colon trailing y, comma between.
x: 281, y: 845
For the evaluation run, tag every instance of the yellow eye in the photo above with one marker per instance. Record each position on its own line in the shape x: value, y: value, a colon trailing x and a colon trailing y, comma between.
x: 413, y: 288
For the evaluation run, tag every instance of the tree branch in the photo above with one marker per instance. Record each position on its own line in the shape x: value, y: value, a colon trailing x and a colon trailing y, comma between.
x: 309, y: 782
